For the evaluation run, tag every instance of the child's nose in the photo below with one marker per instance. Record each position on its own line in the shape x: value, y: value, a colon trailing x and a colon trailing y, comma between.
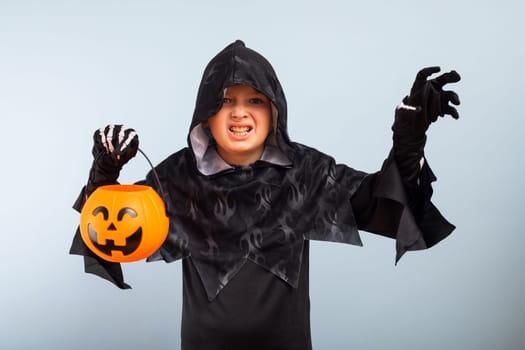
x: 239, y: 111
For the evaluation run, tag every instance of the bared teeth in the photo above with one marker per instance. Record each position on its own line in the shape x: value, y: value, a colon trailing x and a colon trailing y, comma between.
x: 240, y: 129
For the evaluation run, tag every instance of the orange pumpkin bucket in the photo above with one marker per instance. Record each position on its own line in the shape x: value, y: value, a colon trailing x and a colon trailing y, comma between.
x: 124, y: 223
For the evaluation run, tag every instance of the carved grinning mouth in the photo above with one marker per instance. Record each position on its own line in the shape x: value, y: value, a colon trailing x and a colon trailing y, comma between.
x: 132, y: 242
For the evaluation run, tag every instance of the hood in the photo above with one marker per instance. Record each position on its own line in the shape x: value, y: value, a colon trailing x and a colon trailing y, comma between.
x: 237, y: 65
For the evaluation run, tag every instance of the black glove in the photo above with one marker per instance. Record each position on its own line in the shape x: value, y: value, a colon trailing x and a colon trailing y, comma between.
x: 113, y: 146
x: 427, y: 101
x: 430, y: 97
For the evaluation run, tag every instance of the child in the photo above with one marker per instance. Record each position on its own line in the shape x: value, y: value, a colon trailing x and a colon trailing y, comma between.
x: 244, y: 201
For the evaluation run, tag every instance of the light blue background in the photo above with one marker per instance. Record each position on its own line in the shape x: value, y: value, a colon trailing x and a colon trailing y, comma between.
x: 69, y: 67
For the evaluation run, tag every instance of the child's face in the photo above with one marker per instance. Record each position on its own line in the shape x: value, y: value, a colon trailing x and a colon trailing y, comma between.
x: 241, y: 126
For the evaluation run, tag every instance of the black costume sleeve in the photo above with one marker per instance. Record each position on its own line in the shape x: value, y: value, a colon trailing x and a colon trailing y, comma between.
x: 93, y: 264
x: 173, y: 249
x: 384, y: 205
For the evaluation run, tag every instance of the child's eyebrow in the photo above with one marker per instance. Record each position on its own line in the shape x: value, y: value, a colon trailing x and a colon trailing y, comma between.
x: 257, y: 93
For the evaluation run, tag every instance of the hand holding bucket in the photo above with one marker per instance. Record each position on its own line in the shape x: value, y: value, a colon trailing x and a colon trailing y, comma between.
x: 124, y: 223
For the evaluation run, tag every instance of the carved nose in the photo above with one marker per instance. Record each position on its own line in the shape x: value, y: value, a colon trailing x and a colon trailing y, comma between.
x: 112, y: 227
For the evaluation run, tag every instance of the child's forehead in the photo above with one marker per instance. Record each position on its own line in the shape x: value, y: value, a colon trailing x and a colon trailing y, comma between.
x: 241, y: 89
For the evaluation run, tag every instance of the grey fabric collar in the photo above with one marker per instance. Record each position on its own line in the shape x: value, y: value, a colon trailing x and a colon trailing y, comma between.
x: 209, y: 162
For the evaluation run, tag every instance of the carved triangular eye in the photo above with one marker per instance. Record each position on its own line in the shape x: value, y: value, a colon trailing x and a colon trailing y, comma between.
x: 125, y: 211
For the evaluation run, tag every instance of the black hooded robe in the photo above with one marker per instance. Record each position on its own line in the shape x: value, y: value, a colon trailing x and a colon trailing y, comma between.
x: 243, y: 232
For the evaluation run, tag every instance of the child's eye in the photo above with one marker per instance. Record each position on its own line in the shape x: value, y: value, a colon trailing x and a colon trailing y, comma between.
x: 226, y: 101
x: 256, y: 101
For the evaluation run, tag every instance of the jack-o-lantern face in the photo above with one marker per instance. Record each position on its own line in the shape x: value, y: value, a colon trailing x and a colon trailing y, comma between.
x: 122, y: 223
x: 115, y: 237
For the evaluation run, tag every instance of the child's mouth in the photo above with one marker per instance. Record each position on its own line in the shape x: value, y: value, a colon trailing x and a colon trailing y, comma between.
x: 240, y: 130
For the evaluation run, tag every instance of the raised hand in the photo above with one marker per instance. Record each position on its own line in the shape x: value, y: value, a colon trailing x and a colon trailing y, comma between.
x: 429, y: 96
x: 426, y: 102
x: 113, y: 146
x: 118, y: 141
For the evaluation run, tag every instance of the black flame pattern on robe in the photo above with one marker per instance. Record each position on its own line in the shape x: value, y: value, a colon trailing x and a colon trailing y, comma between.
x: 261, y: 213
